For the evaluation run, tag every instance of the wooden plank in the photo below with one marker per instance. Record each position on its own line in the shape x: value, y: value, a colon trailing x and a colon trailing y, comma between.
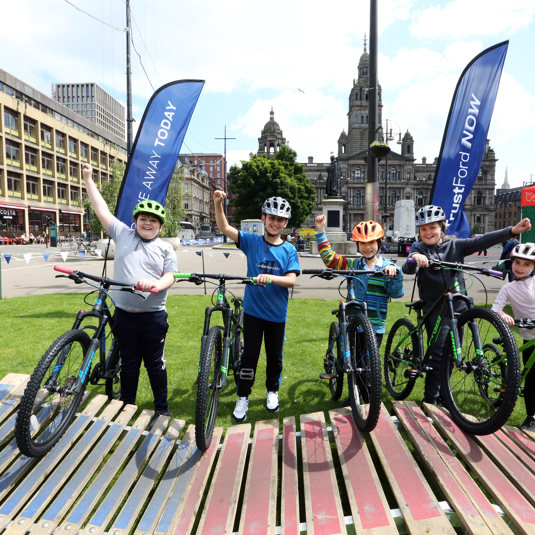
x: 259, y: 509
x: 417, y: 503
x: 29, y: 485
x: 13, y: 385
x: 57, y: 510
x: 324, y: 513
x: 222, y: 500
x: 464, y: 496
x: 519, y: 453
x: 107, y: 472
x: 181, y: 510
x: 169, y: 488
x: 369, y: 506
x: 521, y: 440
x: 111, y: 503
x: 139, y: 494
x: 509, y: 498
x: 289, y: 485
x: 64, y: 470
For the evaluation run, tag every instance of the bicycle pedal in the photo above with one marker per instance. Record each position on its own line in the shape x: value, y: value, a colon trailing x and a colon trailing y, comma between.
x: 326, y: 376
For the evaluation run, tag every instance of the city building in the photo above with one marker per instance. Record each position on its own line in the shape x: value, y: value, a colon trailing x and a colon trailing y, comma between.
x: 43, y: 145
x: 197, y: 190
x: 400, y: 175
x: 93, y: 103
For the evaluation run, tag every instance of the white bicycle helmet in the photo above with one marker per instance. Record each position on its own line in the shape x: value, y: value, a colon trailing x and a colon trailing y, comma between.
x: 429, y: 214
x: 525, y: 251
x: 277, y: 206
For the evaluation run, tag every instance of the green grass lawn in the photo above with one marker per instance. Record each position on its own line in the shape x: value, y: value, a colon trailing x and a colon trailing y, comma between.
x: 31, y: 324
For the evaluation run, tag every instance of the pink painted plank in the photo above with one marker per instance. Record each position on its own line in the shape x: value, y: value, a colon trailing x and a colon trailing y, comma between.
x: 290, y: 491
x: 322, y: 492
x: 371, y: 511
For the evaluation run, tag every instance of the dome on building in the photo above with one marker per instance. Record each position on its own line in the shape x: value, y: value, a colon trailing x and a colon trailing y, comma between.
x: 272, y: 128
x: 271, y: 139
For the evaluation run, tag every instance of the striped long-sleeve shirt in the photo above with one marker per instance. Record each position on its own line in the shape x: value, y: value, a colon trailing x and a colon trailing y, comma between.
x: 374, y: 290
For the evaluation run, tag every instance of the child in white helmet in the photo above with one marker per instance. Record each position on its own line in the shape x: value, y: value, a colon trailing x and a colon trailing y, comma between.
x: 520, y: 294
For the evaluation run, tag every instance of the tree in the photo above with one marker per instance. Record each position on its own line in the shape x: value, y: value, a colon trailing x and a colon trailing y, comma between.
x: 173, y: 205
x: 263, y: 177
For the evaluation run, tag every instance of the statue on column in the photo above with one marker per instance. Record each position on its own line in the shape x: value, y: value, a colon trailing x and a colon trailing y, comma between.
x: 332, y: 188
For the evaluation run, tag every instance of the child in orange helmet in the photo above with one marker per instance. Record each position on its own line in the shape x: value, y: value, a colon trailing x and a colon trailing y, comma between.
x: 375, y: 291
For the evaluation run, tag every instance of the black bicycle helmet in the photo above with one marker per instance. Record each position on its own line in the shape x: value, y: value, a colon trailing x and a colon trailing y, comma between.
x: 429, y: 214
x: 277, y: 206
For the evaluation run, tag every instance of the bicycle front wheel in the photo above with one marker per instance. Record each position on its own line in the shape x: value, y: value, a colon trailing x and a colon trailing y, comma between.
x: 208, y: 388
x: 364, y: 377
x: 402, y: 361
x: 113, y: 372
x: 49, y: 402
x: 481, y: 388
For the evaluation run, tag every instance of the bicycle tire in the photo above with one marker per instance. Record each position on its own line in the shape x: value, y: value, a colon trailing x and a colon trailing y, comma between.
x: 45, y: 410
x: 401, y: 361
x: 462, y: 386
x: 364, y: 381
x: 113, y: 372
x: 237, y: 346
x: 208, y: 388
x: 333, y: 362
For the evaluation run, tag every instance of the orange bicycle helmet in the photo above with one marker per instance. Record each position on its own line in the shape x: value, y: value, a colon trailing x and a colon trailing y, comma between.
x: 367, y: 231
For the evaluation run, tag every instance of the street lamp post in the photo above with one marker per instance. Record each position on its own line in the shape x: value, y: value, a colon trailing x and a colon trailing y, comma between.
x: 387, y: 138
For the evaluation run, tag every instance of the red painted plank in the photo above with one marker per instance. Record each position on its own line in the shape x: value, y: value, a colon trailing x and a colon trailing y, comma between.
x: 361, y: 479
x: 220, y: 504
x: 259, y: 489
x: 445, y: 470
x: 290, y: 507
x: 322, y: 493
x: 488, y: 470
x: 419, y: 502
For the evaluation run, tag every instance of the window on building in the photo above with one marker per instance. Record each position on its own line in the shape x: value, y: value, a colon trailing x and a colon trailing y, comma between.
x: 13, y: 153
x: 48, y: 190
x: 62, y: 193
x: 61, y: 167
x: 73, y: 171
x: 60, y: 141
x: 11, y: 121
x: 30, y: 129
x: 72, y: 147
x: 32, y: 187
x: 46, y: 163
x: 420, y: 199
x: 46, y: 136
x: 84, y: 151
x: 30, y: 157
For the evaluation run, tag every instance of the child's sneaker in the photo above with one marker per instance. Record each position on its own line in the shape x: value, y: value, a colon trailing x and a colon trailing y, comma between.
x: 240, y: 411
x: 528, y: 424
x: 272, y: 401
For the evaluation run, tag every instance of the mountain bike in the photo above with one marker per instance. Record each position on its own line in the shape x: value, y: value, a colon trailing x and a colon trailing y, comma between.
x: 58, y: 382
x: 353, y: 350
x: 86, y: 247
x: 478, y: 389
x: 221, y: 350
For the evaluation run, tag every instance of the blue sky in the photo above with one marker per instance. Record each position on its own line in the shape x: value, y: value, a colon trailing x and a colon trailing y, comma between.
x: 298, y: 57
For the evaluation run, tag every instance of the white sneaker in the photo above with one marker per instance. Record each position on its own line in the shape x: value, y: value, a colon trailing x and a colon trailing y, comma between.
x: 240, y: 411
x: 272, y: 401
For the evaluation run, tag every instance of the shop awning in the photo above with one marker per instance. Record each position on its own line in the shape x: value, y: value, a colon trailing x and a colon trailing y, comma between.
x: 41, y: 209
x: 13, y: 206
x: 71, y: 212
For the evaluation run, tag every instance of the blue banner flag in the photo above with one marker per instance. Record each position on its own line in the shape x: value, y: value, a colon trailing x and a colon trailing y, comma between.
x: 465, y: 136
x: 157, y: 145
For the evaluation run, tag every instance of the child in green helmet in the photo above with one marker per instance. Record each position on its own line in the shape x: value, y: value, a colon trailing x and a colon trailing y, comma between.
x: 140, y: 325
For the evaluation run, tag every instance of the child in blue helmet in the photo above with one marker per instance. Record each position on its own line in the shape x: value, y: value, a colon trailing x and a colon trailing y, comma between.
x: 140, y: 325
x: 271, y: 260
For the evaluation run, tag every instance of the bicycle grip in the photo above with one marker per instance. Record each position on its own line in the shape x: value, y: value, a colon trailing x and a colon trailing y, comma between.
x: 254, y: 281
x: 495, y: 273
x: 63, y: 269
x: 181, y: 275
x: 153, y: 290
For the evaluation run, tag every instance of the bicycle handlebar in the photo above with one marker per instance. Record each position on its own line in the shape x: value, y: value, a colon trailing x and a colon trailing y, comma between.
x: 79, y: 276
x: 329, y: 274
x: 438, y: 264
x: 198, y: 278
x: 525, y: 323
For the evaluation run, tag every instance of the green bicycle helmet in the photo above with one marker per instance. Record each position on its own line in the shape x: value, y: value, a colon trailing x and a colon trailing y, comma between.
x: 150, y: 207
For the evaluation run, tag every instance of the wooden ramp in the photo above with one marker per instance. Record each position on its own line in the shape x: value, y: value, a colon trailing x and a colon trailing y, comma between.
x: 117, y: 471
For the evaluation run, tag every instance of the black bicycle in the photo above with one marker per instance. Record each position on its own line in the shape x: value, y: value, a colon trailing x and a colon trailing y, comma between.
x: 58, y: 382
x: 353, y: 350
x: 480, y: 373
x: 221, y: 350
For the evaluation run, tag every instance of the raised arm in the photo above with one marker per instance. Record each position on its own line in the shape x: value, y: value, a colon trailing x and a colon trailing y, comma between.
x: 221, y: 219
x: 95, y: 198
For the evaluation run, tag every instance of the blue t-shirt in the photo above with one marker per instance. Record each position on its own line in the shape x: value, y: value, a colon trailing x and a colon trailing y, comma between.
x: 270, y: 302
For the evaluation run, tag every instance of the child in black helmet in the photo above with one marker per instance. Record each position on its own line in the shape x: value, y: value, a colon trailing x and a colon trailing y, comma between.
x: 140, y: 325
x: 520, y: 294
x: 433, y: 245
x: 271, y: 260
